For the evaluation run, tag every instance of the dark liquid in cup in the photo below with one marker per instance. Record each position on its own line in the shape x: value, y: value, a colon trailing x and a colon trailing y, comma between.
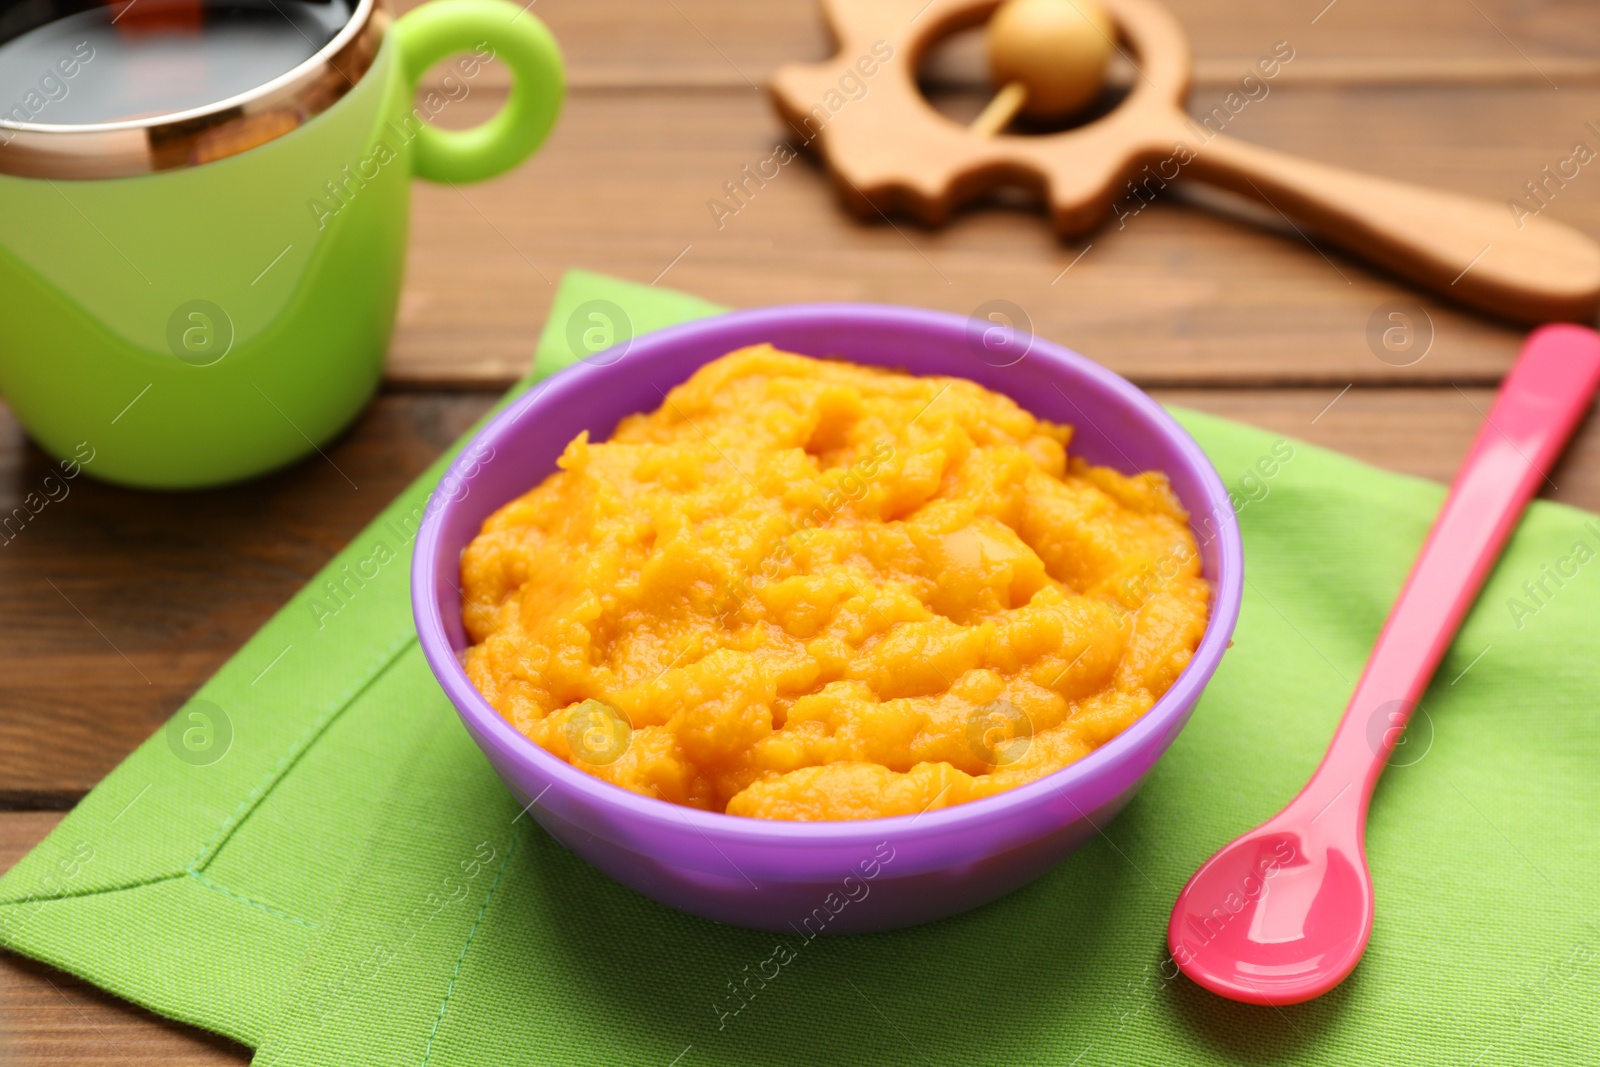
x: 65, y: 63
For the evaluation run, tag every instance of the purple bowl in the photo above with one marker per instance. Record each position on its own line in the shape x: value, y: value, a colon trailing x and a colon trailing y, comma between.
x: 831, y: 877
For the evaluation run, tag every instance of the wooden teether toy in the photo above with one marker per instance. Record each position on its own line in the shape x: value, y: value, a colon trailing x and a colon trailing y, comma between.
x: 889, y: 150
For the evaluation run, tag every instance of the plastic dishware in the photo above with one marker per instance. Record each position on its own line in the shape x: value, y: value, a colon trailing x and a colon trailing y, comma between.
x: 769, y: 874
x: 195, y: 297
x: 1283, y: 913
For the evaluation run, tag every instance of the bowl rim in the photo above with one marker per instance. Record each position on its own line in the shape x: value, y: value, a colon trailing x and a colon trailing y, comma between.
x: 1109, y: 764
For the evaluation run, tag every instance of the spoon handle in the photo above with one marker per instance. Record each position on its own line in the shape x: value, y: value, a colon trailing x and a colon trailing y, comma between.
x: 1527, y: 267
x: 1539, y: 405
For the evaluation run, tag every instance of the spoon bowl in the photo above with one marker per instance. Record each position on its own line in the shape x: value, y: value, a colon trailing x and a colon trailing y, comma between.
x: 1279, y: 915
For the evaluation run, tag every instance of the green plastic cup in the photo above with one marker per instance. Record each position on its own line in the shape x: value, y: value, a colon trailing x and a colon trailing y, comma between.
x: 196, y: 297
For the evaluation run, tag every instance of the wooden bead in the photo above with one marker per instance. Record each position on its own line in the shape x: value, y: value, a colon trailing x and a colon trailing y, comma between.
x: 1057, y: 49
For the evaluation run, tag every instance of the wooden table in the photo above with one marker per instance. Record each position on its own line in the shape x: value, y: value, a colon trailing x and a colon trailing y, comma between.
x: 116, y: 605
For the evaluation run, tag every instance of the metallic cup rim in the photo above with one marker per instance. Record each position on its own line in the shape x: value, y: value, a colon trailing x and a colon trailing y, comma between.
x: 204, y: 134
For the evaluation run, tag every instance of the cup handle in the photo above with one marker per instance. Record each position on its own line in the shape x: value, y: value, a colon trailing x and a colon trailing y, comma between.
x: 447, y: 27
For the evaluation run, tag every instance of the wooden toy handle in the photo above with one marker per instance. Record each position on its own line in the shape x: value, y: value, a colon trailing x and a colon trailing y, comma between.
x: 1476, y: 251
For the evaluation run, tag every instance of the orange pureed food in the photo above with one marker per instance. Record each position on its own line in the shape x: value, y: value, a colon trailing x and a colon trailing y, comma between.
x: 806, y: 589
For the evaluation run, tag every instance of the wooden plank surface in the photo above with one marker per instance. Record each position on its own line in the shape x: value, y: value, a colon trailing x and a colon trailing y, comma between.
x: 115, y: 605
x: 1178, y: 295
x: 705, y: 43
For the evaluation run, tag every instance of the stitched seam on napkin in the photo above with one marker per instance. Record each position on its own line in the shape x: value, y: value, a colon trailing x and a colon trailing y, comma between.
x: 241, y: 898
x: 234, y: 821
x: 301, y: 746
x: 34, y: 898
x: 450, y: 989
x: 22, y: 902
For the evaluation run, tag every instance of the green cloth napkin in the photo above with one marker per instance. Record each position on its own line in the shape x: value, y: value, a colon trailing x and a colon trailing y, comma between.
x: 324, y: 867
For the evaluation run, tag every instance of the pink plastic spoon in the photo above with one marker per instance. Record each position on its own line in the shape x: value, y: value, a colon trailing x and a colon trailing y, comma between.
x: 1283, y: 913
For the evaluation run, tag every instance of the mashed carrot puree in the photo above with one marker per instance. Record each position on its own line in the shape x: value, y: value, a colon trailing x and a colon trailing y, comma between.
x: 806, y: 589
